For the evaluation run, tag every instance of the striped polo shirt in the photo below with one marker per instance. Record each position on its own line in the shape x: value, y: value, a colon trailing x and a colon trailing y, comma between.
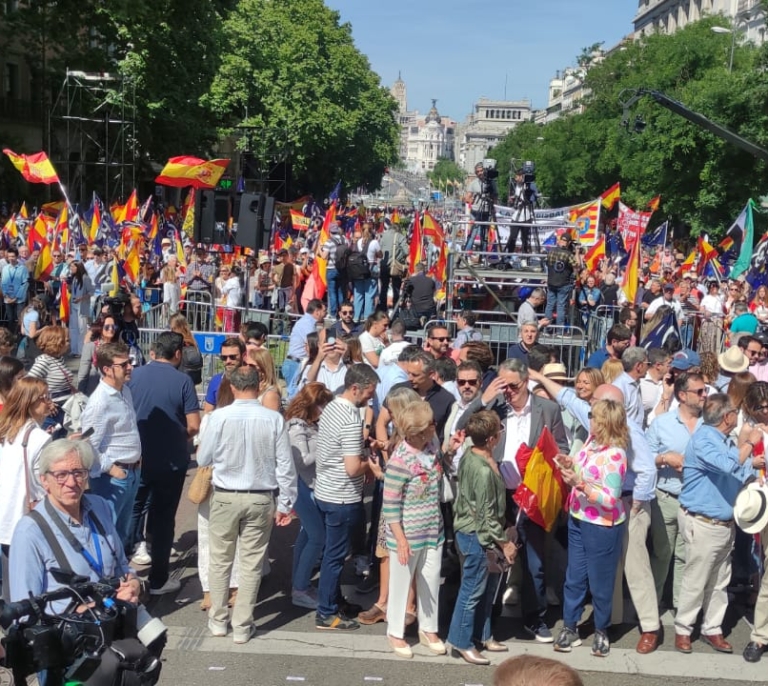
x: 340, y: 434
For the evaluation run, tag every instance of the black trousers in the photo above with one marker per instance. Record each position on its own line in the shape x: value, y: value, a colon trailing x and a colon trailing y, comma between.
x: 385, y: 276
x: 525, y: 238
x: 156, y: 502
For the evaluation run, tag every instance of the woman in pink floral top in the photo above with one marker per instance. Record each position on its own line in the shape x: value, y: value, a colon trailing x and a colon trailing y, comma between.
x: 595, y: 525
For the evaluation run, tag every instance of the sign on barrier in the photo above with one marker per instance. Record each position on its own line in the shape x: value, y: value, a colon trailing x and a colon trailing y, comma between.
x: 210, y: 343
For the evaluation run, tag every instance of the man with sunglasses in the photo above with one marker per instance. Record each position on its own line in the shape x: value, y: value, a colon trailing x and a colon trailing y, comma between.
x: 345, y: 326
x: 469, y: 378
x: 115, y: 438
x: 231, y: 356
x: 668, y: 438
x: 438, y: 341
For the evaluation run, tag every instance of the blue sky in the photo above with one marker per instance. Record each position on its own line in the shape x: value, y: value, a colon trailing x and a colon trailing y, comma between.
x: 449, y: 52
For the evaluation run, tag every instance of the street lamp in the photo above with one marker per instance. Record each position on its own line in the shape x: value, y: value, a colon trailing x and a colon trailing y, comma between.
x: 721, y: 30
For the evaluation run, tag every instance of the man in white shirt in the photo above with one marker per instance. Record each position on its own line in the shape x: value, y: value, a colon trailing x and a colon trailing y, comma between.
x: 115, y: 438
x: 652, y: 384
x: 635, y: 363
x: 248, y: 446
x: 667, y: 298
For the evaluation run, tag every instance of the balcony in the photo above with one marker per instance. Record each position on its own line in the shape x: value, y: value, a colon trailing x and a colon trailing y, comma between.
x: 21, y: 111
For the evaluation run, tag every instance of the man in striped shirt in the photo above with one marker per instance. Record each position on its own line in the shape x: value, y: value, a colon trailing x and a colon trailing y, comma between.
x: 342, y: 462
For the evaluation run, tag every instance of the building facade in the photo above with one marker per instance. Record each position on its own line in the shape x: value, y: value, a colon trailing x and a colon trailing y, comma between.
x: 667, y: 16
x: 488, y: 124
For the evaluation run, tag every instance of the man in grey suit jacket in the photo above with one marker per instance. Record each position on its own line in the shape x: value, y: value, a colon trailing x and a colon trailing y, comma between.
x: 523, y: 417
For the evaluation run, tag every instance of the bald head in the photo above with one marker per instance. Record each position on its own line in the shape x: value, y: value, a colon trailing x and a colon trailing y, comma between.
x: 607, y: 392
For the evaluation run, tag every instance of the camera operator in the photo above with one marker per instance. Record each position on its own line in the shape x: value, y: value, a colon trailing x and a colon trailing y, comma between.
x: 68, y: 529
x: 482, y: 194
x: 562, y: 262
x: 523, y: 195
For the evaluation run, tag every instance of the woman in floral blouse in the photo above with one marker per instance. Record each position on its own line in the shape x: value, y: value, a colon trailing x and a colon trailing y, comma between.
x: 596, y: 523
x: 411, y: 510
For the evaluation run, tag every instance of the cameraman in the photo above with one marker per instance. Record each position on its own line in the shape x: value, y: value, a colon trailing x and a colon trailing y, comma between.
x: 523, y: 197
x: 562, y: 263
x: 482, y: 194
x: 68, y: 530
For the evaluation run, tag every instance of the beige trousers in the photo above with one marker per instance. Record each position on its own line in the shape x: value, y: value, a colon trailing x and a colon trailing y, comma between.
x: 706, y: 575
x: 247, y: 519
x: 668, y: 544
x: 636, y: 565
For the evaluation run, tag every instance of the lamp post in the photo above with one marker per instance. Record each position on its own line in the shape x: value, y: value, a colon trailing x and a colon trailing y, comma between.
x: 723, y: 29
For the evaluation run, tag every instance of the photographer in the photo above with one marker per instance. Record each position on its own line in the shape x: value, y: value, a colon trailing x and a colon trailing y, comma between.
x: 523, y: 196
x: 562, y: 263
x: 482, y: 194
x: 67, y: 529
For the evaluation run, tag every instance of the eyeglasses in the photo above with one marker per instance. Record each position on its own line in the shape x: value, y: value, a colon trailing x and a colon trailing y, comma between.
x: 343, y: 312
x: 701, y: 392
x: 110, y: 327
x: 61, y: 476
x: 515, y: 387
x: 224, y: 358
x: 442, y: 339
x: 467, y: 382
x: 57, y: 255
x: 124, y: 365
x: 761, y: 408
x: 44, y: 398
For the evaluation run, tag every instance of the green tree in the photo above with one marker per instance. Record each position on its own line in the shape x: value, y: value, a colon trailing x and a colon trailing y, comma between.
x: 291, y: 71
x: 704, y: 181
x: 445, y: 170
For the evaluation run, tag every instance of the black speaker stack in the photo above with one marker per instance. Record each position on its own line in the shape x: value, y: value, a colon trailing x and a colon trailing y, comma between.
x: 253, y: 213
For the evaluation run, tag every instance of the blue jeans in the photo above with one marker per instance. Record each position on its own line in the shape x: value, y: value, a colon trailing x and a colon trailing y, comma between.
x: 308, y: 548
x: 290, y: 369
x: 534, y: 588
x: 593, y: 556
x: 365, y: 292
x: 471, y: 618
x: 338, y: 521
x: 558, y: 295
x: 336, y: 284
x: 120, y: 494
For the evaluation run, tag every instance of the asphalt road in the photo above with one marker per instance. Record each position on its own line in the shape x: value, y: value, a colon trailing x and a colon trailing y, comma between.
x: 288, y: 649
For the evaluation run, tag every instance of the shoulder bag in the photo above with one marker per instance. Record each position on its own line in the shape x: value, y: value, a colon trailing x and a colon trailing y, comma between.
x: 201, y: 486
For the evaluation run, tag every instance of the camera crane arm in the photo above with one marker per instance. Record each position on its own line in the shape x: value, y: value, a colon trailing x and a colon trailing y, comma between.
x: 693, y: 117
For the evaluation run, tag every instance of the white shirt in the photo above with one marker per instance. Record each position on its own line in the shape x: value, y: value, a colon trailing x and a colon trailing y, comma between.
x: 633, y: 401
x: 518, y: 430
x: 712, y: 304
x: 650, y: 392
x: 231, y: 289
x: 333, y: 380
x: 13, y: 483
x: 369, y: 344
x: 340, y: 435
x: 661, y: 300
x: 390, y: 354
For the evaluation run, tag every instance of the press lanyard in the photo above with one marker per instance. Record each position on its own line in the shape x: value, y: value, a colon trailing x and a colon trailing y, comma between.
x: 97, y: 567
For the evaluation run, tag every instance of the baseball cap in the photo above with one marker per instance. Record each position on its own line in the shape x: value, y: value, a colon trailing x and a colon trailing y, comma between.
x: 684, y: 359
x: 669, y: 287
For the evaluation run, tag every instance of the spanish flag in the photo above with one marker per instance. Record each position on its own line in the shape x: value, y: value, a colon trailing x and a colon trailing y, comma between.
x: 35, y: 168
x: 192, y: 171
x: 595, y: 254
x: 93, y: 231
x: 542, y: 493
x: 653, y: 205
x: 64, y: 302
x: 611, y: 196
x: 188, y: 227
x: 632, y: 274
x: 416, y: 253
x: 299, y: 221
x: 44, y: 265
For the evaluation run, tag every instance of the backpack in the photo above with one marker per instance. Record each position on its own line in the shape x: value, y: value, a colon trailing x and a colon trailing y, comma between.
x: 358, y: 267
x: 192, y: 363
x: 341, y: 256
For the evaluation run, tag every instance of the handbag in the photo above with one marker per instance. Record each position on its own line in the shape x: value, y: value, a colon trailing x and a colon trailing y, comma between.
x: 497, y: 563
x: 201, y: 485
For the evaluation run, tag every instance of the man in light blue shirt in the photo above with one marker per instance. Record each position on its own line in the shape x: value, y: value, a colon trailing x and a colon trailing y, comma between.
x: 715, y: 471
x: 668, y: 438
x: 297, y: 350
x: 635, y: 363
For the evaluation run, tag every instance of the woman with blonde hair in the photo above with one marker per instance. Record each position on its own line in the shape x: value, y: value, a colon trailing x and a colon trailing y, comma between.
x: 269, y: 391
x: 21, y: 440
x: 595, y: 523
x: 171, y: 289
x: 191, y: 357
x: 301, y: 417
x: 611, y: 370
x: 411, y: 510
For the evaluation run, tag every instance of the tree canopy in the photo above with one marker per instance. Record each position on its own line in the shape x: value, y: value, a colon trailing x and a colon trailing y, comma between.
x: 446, y: 170
x: 704, y: 181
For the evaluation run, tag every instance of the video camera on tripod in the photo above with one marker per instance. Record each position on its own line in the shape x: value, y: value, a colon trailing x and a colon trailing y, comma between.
x: 528, y: 172
x: 94, y: 641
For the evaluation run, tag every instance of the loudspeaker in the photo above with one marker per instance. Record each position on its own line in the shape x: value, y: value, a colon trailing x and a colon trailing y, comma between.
x: 211, y: 208
x: 254, y: 221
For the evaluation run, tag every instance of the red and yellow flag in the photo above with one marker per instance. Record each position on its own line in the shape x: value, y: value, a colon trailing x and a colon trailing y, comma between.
x: 653, y: 205
x: 299, y: 221
x: 188, y: 227
x: 416, y: 252
x: 595, y: 254
x: 37, y: 236
x: 542, y: 493
x: 35, y: 168
x: 44, y: 265
x: 632, y: 274
x: 192, y: 171
x: 93, y: 231
x: 611, y: 196
x: 64, y: 302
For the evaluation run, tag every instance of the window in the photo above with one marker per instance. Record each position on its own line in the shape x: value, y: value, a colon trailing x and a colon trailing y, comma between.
x: 11, y: 81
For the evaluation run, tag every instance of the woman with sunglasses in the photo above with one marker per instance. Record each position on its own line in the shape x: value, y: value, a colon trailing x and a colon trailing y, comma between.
x: 269, y: 391
x: 103, y: 330
x: 25, y: 409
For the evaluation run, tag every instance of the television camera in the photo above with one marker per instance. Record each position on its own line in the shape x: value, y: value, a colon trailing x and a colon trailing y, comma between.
x: 95, y: 640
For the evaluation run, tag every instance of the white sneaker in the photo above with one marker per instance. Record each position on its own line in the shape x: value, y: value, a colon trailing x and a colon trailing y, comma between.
x: 244, y: 636
x: 170, y: 586
x: 511, y: 596
x: 141, y: 555
x: 217, y: 629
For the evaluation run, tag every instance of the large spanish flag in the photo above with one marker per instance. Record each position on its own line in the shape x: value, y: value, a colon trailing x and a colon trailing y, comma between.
x: 44, y: 265
x: 192, y: 171
x: 317, y: 282
x: 35, y: 168
x: 64, y: 302
x: 632, y: 274
x: 416, y: 254
x: 542, y: 493
x: 611, y: 196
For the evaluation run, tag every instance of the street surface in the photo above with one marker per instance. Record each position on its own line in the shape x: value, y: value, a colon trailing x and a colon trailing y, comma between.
x: 289, y: 650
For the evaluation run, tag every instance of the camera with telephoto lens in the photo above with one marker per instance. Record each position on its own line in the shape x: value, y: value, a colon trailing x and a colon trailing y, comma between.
x: 116, y: 305
x: 93, y: 641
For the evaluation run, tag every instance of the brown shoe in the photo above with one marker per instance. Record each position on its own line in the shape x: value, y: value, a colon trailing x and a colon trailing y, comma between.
x: 372, y: 616
x: 205, y: 603
x: 683, y: 644
x: 718, y: 643
x: 649, y: 641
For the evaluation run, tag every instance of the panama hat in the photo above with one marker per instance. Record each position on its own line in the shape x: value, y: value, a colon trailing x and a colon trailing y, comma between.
x: 733, y: 360
x: 751, y: 508
x: 556, y: 371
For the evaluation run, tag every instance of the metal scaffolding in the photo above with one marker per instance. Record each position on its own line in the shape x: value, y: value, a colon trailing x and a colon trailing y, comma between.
x: 92, y: 136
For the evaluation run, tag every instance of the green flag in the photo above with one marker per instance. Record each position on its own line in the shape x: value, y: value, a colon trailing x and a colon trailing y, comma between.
x: 745, y: 224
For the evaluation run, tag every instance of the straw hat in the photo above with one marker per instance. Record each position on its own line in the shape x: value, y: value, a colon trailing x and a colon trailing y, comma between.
x: 556, y: 371
x: 751, y: 508
x: 733, y: 360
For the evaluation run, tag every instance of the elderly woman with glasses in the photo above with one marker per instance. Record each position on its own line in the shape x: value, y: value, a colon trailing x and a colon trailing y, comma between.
x: 21, y: 440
